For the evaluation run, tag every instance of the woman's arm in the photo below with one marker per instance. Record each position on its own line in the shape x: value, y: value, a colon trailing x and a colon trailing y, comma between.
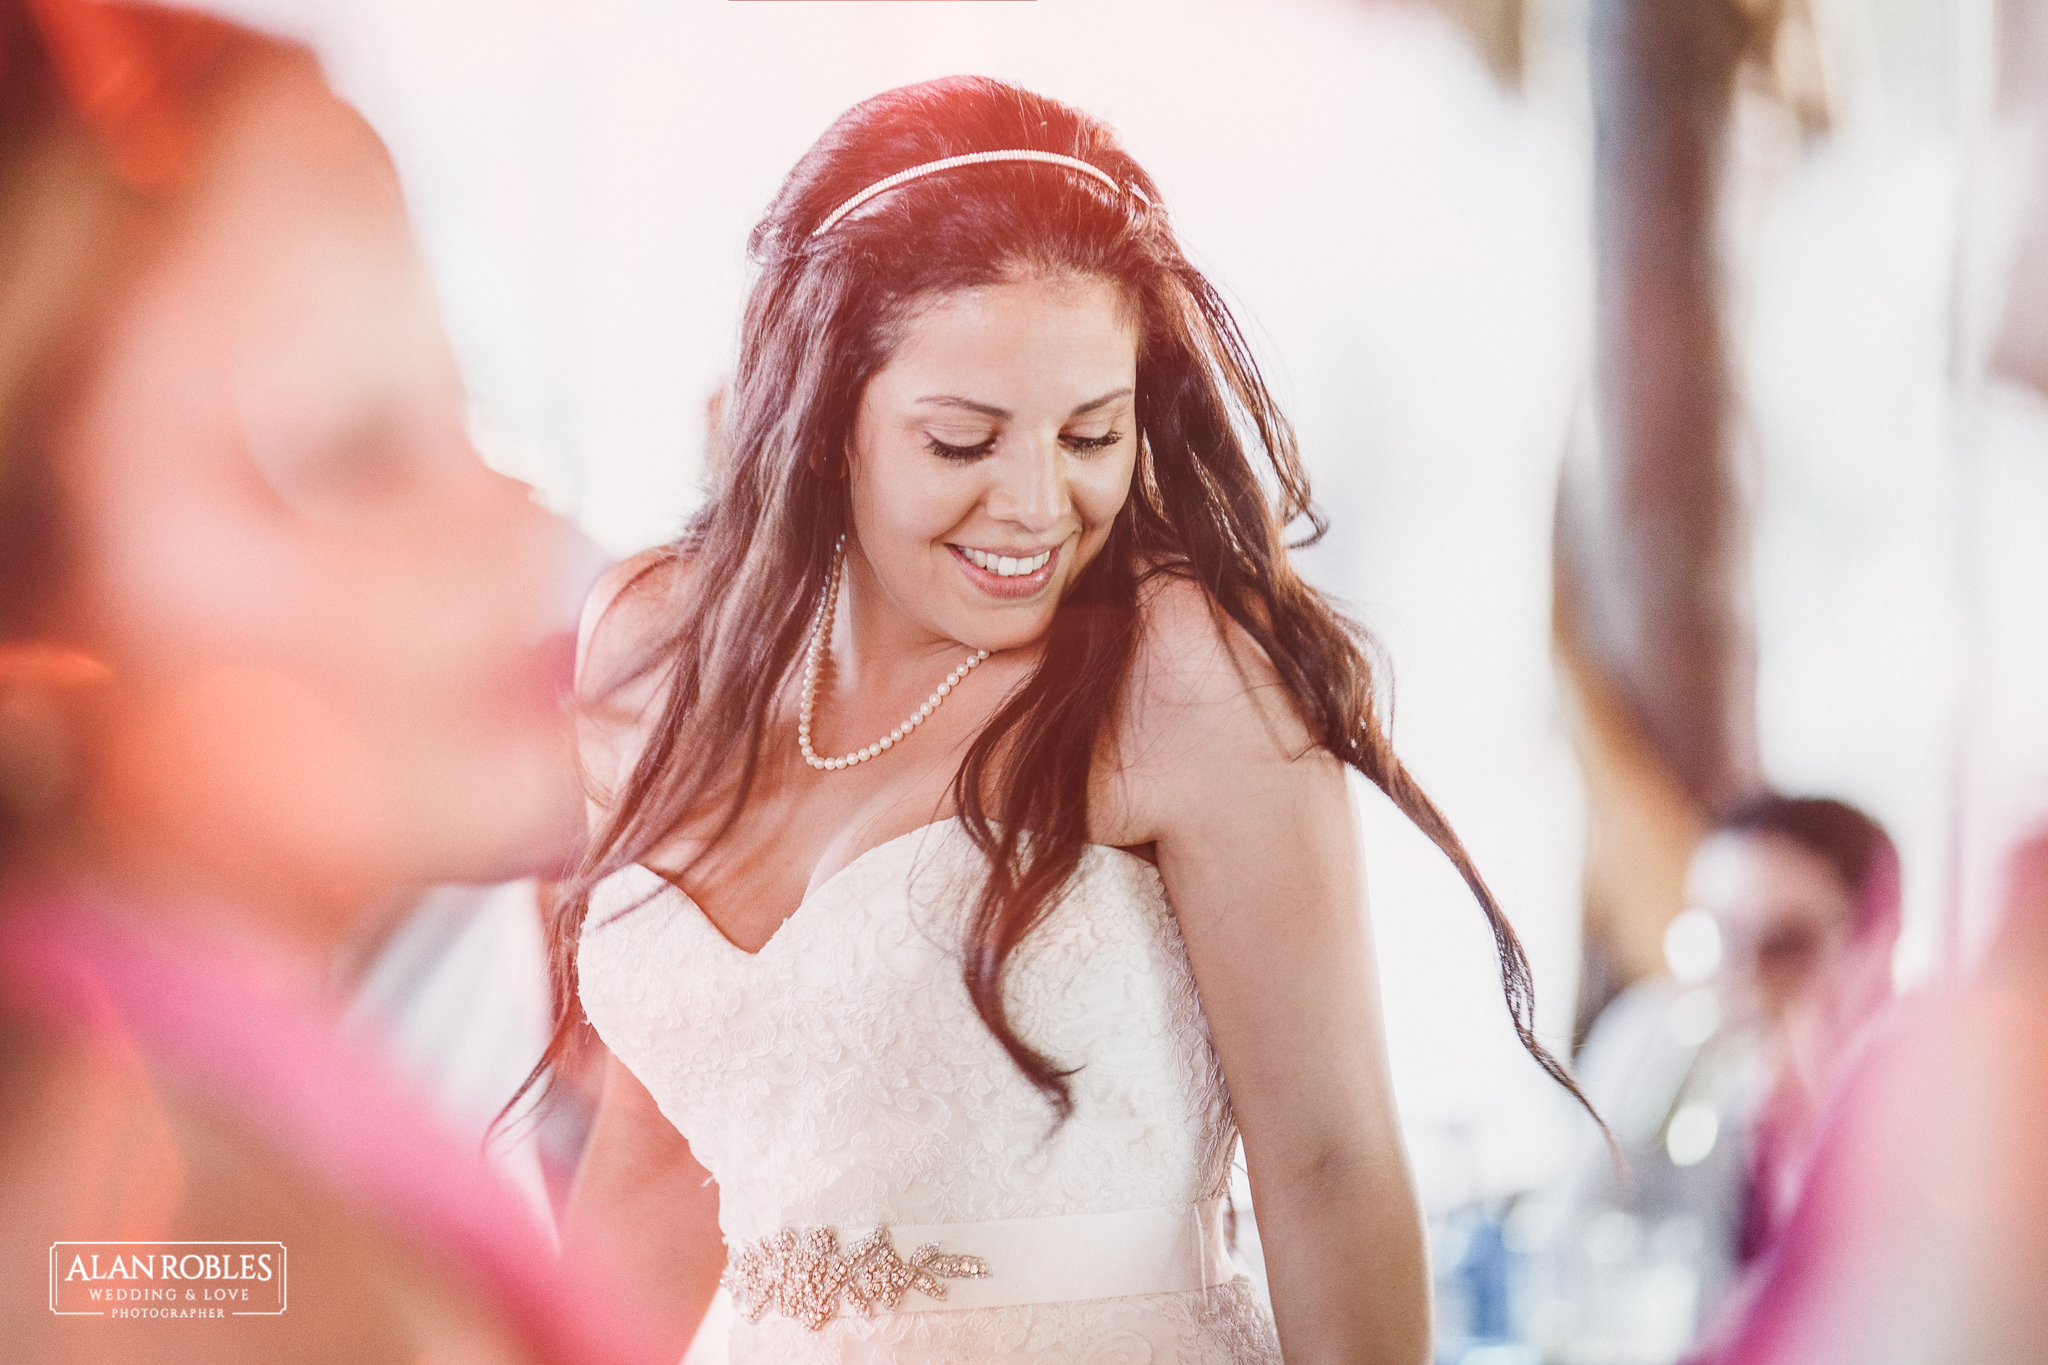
x: 1259, y: 851
x: 645, y: 1210
x: 642, y: 1205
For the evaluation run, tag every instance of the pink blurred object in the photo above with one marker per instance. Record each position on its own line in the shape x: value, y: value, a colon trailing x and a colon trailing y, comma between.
x: 203, y: 1020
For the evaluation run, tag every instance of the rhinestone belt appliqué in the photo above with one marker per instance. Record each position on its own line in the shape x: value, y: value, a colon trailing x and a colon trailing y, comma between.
x: 803, y: 1274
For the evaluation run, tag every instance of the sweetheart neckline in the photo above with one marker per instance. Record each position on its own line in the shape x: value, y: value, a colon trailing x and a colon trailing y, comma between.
x: 819, y: 890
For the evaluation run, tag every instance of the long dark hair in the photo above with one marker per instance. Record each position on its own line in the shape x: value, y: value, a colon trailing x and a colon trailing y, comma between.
x: 821, y: 320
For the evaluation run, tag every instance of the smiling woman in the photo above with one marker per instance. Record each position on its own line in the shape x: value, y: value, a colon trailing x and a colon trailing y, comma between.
x: 992, y: 454
x: 1005, y: 984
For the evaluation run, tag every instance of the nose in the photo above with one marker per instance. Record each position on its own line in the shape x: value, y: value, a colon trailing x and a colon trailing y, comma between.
x: 554, y: 554
x: 1030, y: 488
x: 522, y: 567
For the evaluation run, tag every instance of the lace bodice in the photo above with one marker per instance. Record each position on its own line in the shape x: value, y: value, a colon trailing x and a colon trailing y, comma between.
x: 841, y: 1078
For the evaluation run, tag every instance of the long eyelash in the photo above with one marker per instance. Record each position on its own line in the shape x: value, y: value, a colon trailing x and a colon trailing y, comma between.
x: 1102, y: 442
x: 975, y: 452
x: 946, y: 452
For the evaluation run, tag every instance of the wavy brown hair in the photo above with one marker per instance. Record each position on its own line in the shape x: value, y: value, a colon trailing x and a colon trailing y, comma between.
x: 823, y: 317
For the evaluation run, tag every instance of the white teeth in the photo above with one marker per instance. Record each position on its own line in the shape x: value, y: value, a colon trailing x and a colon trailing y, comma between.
x: 1005, y: 566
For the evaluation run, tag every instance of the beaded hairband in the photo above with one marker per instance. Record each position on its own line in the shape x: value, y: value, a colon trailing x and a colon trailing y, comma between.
x: 888, y: 183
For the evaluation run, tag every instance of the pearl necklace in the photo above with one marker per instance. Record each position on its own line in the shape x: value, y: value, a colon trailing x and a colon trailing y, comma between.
x: 820, y: 650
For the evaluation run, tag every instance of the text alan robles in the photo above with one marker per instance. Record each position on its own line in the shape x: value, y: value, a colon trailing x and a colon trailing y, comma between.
x: 167, y: 1279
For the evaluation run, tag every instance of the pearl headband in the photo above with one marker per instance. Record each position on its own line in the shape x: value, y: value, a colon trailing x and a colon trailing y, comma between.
x: 883, y: 186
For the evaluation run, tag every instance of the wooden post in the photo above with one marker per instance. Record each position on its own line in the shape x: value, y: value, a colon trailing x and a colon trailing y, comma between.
x: 1653, y: 619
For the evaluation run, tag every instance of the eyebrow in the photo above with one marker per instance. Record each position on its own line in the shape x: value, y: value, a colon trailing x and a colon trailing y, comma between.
x: 947, y: 400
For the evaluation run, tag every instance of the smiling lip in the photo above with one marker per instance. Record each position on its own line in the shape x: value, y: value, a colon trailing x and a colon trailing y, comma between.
x: 1012, y: 586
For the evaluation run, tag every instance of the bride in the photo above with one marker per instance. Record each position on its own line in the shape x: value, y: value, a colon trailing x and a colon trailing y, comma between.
x: 973, y: 862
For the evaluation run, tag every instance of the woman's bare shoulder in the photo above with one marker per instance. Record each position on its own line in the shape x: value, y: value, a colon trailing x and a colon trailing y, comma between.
x: 621, y: 665
x: 1192, y: 656
x: 624, y: 619
x: 1204, y: 703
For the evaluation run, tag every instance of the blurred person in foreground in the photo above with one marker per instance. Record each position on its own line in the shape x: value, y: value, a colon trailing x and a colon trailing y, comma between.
x: 275, y: 647
x: 1921, y: 1231
x: 1713, y: 1077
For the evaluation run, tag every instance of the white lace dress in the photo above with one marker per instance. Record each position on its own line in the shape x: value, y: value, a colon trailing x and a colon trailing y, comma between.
x: 839, y: 1082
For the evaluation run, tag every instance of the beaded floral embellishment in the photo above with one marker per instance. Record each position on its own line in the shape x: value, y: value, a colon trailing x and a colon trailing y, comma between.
x: 804, y: 1275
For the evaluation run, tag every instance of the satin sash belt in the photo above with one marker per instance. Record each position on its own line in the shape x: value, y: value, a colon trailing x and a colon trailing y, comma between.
x: 1081, y: 1256
x: 996, y: 1264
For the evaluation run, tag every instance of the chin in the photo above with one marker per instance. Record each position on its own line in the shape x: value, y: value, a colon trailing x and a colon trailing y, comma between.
x: 998, y: 630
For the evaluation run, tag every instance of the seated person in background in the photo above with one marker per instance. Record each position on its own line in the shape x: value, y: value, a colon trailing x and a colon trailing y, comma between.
x: 275, y: 647
x: 1920, y: 1235
x: 1713, y: 1077
x: 1805, y: 898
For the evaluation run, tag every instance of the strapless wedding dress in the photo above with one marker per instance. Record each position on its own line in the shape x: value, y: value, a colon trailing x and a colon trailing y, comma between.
x: 891, y: 1189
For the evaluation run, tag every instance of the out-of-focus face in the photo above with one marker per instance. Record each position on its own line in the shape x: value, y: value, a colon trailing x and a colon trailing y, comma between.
x: 992, y: 455
x: 1783, y: 915
x: 337, y: 639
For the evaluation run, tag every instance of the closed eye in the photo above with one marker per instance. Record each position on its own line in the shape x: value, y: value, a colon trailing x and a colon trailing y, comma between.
x: 1090, y: 443
x: 949, y: 452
